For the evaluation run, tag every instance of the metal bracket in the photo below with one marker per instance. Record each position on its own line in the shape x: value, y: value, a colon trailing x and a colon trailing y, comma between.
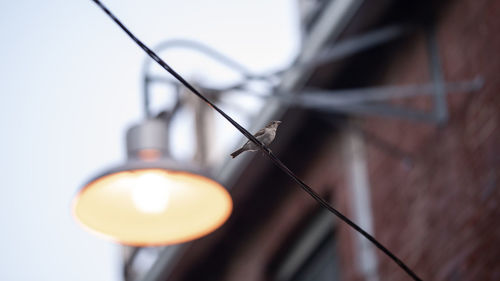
x: 372, y: 101
x: 440, y: 110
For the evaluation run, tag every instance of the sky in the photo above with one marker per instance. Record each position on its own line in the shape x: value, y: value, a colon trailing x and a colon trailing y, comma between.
x: 70, y: 86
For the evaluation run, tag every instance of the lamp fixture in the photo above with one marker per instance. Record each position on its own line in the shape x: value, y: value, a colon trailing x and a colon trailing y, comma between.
x: 151, y: 200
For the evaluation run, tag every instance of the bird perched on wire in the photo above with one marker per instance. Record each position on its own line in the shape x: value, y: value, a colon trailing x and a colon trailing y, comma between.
x: 266, y: 135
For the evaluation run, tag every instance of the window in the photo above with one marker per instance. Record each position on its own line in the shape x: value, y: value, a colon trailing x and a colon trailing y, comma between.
x: 312, y: 254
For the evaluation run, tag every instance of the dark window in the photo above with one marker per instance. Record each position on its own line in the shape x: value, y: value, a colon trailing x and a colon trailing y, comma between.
x: 322, y: 265
x: 312, y: 254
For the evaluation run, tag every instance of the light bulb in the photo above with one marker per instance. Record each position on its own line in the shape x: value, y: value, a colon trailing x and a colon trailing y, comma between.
x: 150, y: 193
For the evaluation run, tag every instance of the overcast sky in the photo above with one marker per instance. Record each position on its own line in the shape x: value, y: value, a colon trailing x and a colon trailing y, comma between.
x: 70, y: 86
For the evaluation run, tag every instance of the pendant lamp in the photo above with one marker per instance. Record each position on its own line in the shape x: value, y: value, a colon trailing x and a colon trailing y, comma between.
x: 151, y: 200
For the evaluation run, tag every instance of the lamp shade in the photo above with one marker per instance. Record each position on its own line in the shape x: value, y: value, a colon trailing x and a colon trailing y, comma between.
x: 147, y: 203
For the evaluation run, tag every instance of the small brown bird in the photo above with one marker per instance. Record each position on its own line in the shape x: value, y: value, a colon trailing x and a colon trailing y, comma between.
x: 266, y: 135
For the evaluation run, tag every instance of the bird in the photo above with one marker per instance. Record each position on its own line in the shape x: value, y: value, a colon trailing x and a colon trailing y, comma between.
x: 266, y: 135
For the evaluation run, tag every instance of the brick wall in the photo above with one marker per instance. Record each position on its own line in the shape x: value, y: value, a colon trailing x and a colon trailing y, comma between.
x: 441, y: 213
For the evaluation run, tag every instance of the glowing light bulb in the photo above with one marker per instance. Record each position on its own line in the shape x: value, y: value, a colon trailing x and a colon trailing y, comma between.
x: 150, y: 193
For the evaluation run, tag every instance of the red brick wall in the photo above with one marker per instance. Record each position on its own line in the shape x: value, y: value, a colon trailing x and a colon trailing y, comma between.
x: 442, y: 214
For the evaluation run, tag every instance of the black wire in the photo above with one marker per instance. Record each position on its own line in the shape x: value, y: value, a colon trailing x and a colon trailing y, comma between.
x: 209, y: 51
x: 275, y: 159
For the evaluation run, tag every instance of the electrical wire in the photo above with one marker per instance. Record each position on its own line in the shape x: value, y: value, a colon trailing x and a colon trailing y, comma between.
x: 263, y: 147
x: 208, y: 51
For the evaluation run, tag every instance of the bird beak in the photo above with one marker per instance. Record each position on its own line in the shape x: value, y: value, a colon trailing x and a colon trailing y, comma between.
x: 279, y: 122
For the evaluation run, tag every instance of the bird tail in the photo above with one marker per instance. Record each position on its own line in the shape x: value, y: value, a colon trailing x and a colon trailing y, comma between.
x: 237, y: 152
